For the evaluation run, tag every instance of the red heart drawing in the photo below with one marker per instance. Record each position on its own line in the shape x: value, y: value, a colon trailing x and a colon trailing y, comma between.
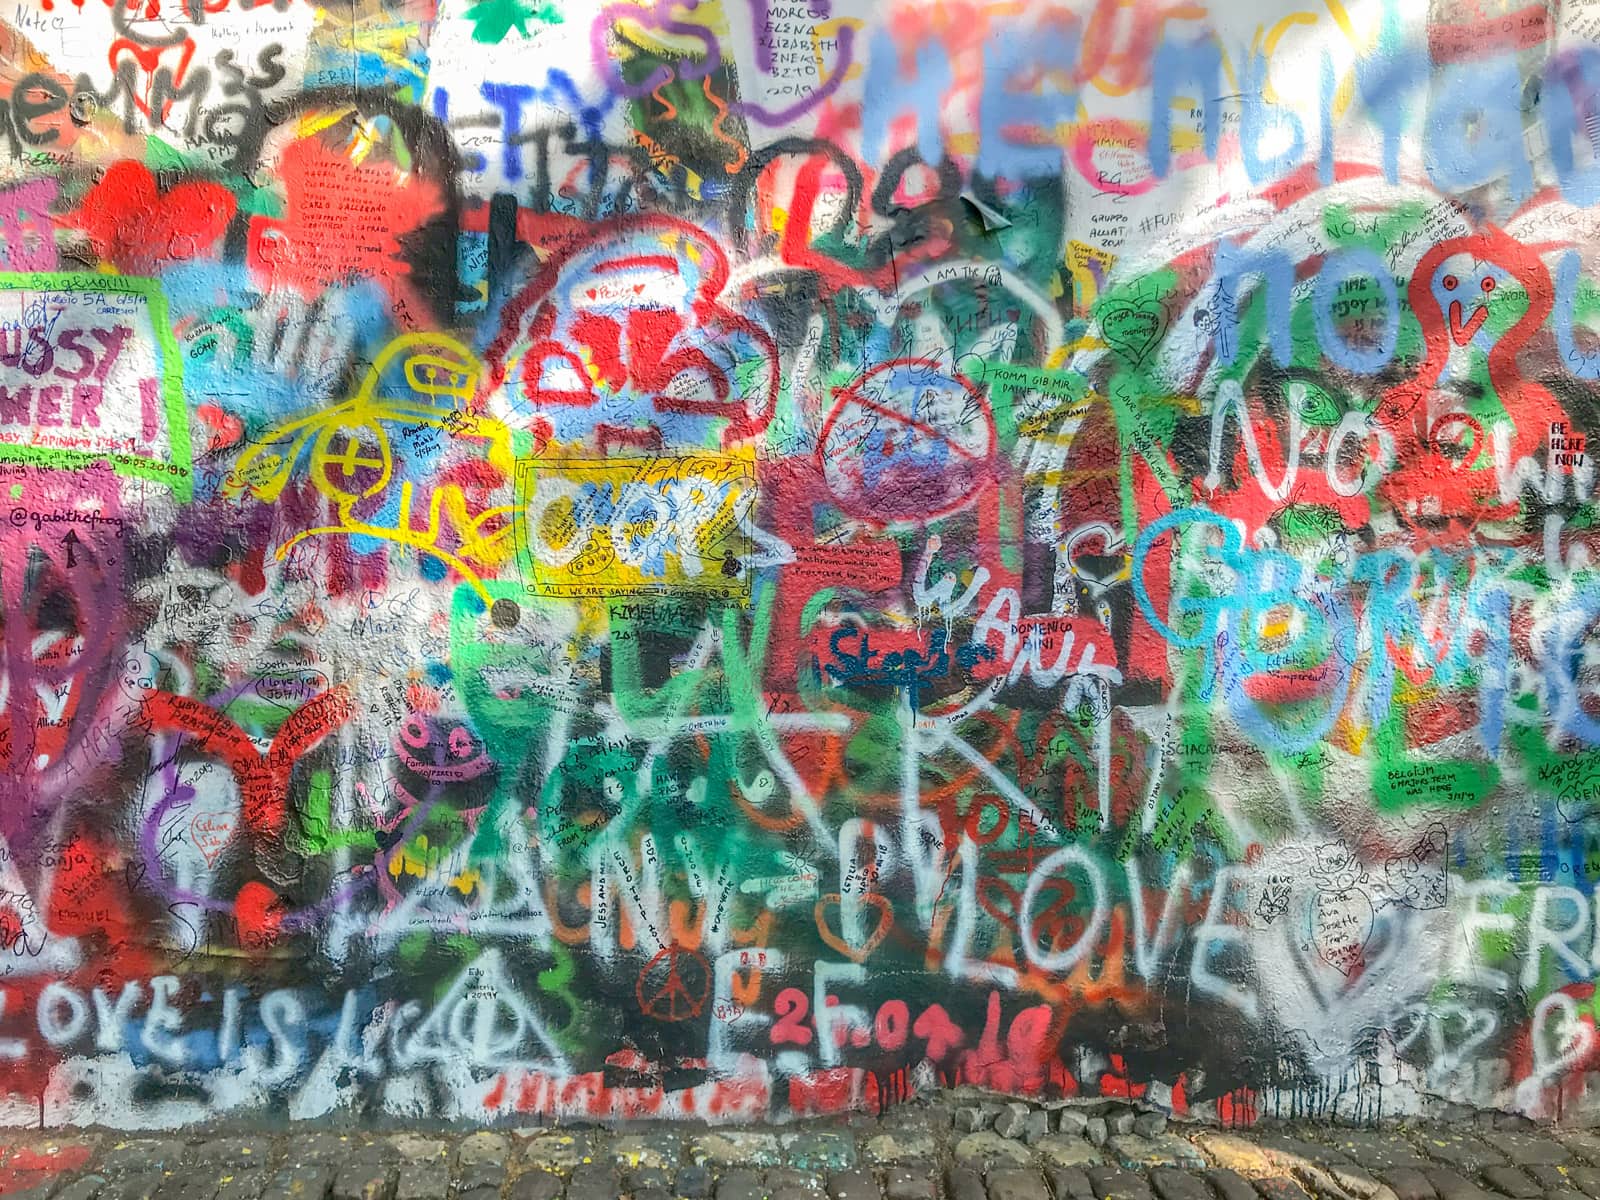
x: 211, y: 832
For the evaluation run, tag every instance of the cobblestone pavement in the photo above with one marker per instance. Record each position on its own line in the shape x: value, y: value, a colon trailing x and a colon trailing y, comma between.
x: 951, y: 1149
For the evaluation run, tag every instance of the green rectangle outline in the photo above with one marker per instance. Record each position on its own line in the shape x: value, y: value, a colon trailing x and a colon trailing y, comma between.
x: 141, y: 466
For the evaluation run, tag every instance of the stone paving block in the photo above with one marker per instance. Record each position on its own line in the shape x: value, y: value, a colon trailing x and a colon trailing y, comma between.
x: 302, y: 1181
x: 189, y: 1183
x: 649, y: 1193
x: 1290, y: 1152
x: 1017, y: 1183
x: 1071, y: 1121
x: 854, y: 1184
x: 662, y: 1150
x: 1452, y: 1185
x: 85, y: 1187
x: 916, y: 1117
x: 1466, y: 1152
x: 964, y: 1183
x: 592, y: 1181
x: 969, y: 1119
x: 427, y: 1180
x: 1150, y: 1124
x: 244, y: 1152
x: 1012, y: 1119
x: 1237, y: 1154
x: 1583, y: 1143
x: 244, y: 1185
x: 141, y: 1186
x: 476, y: 1177
x: 411, y: 1147
x: 1408, y: 1183
x: 1230, y: 1185
x: 1511, y: 1181
x: 1172, y: 1184
x: 1140, y: 1154
x: 693, y: 1182
x: 558, y: 1150
x: 1549, y: 1177
x: 986, y: 1147
x: 1352, y: 1181
x: 908, y: 1146
x: 795, y: 1180
x: 737, y: 1148
x: 1377, y: 1151
x: 640, y: 1179
x: 325, y: 1146
x: 140, y: 1155
x: 911, y: 1183
x: 738, y: 1183
x: 1281, y: 1187
x: 18, y: 1183
x: 1120, y: 1121
x: 365, y: 1179
x: 1036, y: 1127
x: 483, y: 1148
x: 1113, y: 1183
x: 1070, y: 1183
x: 534, y: 1185
x: 1587, y: 1179
x: 819, y: 1150
x: 1526, y: 1149
x: 1063, y: 1150
x: 1096, y: 1132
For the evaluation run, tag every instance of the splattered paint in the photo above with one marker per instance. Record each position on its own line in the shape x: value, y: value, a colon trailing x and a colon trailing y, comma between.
x: 749, y: 559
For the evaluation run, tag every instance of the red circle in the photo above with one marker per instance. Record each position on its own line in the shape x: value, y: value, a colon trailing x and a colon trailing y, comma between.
x: 896, y: 487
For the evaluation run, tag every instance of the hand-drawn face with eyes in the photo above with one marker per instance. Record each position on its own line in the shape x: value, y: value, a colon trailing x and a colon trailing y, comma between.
x: 1464, y: 287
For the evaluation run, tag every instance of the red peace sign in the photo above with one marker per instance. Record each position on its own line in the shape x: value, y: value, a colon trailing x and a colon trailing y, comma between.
x: 674, y: 984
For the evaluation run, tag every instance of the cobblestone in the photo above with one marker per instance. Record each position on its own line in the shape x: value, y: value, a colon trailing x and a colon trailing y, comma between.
x: 1230, y: 1185
x: 963, y: 1183
x: 1465, y: 1151
x: 1452, y: 1185
x: 1409, y: 1183
x: 741, y: 1183
x: 1070, y: 1183
x: 1511, y: 1181
x: 1172, y: 1184
x: 826, y: 1151
x: 426, y: 1181
x: 856, y: 1184
x: 694, y: 1182
x: 911, y: 1183
x: 1378, y: 1151
x: 1113, y: 1183
x: 955, y: 1150
x: 142, y: 1186
x: 1017, y: 1183
x: 1527, y: 1149
x: 534, y: 1185
x: 1281, y: 1187
x: 989, y: 1147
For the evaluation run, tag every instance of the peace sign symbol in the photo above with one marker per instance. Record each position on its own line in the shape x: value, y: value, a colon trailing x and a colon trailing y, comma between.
x: 674, y: 984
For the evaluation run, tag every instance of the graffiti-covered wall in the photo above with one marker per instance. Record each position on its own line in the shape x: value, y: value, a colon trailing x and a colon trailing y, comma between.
x: 755, y: 558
